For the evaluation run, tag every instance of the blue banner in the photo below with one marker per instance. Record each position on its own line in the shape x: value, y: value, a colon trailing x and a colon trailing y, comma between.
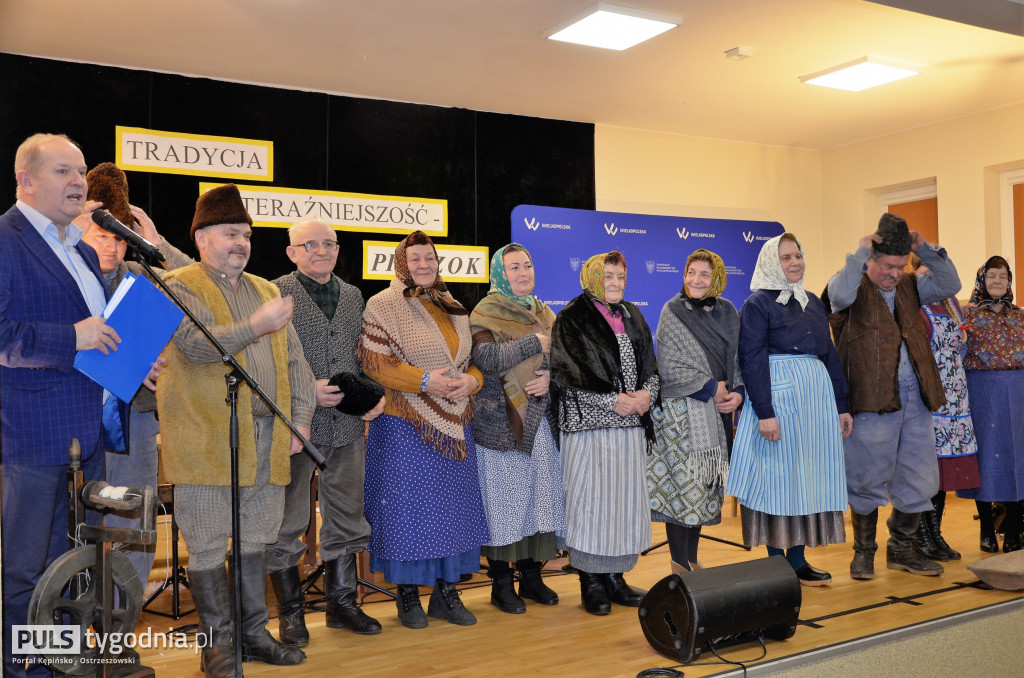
x: 656, y: 247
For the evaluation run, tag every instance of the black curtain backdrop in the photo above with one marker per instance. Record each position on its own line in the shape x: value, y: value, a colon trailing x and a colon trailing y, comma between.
x: 484, y: 164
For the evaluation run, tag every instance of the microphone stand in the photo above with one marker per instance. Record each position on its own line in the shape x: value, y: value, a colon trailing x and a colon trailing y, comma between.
x: 234, y: 378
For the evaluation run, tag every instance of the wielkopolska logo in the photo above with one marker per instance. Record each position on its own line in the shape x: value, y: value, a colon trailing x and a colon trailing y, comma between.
x: 748, y: 236
x: 532, y: 224
x: 610, y: 229
x: 682, y: 233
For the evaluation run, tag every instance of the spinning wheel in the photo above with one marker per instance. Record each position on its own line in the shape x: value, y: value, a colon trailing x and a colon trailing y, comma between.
x: 68, y: 592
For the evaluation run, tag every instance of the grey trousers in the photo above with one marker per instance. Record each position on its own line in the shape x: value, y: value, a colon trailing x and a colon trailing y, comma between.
x: 343, y: 530
x: 204, y: 511
x: 891, y: 457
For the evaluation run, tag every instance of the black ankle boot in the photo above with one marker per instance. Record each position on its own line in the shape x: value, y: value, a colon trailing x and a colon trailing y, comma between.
x: 989, y: 541
x: 410, y: 610
x: 595, y: 600
x: 342, y: 612
x: 531, y: 584
x: 291, y: 620
x: 899, y: 551
x: 620, y: 592
x: 925, y: 542
x: 446, y: 604
x: 257, y: 643
x: 503, y: 594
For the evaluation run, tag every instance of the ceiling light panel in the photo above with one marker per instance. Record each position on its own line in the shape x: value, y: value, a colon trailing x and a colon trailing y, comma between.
x: 861, y: 74
x: 612, y: 27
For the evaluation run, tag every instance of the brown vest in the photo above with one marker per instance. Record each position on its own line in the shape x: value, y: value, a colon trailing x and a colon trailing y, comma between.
x: 868, y: 338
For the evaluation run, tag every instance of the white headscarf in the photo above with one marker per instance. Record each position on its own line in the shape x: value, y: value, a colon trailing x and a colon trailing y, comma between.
x: 768, y: 274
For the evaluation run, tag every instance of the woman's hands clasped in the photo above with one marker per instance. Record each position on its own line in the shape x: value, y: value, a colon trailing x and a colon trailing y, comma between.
x: 634, y: 402
x: 443, y: 386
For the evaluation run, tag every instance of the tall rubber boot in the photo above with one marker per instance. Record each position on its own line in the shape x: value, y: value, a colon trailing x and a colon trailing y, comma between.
x: 864, y: 544
x: 210, y: 595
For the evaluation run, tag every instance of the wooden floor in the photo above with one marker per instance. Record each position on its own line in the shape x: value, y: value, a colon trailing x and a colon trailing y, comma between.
x: 564, y: 640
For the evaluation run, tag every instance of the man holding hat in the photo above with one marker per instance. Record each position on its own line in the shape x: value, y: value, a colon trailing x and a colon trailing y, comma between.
x: 251, y: 320
x: 894, y: 388
x: 108, y: 188
x: 328, y: 320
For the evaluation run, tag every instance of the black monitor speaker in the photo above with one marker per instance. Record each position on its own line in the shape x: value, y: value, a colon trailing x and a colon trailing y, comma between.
x: 685, y: 613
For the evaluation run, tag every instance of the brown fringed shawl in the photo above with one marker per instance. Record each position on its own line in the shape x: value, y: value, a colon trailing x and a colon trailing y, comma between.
x: 505, y: 319
x: 399, y: 328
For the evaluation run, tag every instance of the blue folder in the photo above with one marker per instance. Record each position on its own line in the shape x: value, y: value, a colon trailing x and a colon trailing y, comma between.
x: 145, y: 320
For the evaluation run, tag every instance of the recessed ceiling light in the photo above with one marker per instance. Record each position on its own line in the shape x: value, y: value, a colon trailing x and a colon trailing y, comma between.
x: 860, y: 74
x: 612, y: 27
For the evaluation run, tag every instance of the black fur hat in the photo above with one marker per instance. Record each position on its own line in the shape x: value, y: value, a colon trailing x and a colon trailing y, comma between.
x: 895, y: 235
x: 361, y: 395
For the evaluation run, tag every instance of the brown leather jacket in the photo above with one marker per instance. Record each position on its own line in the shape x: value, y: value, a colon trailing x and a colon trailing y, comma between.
x: 868, y: 337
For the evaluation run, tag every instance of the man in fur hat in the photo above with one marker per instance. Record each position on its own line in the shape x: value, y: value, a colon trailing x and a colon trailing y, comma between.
x: 251, y: 320
x: 108, y: 188
x: 328, y: 319
x: 894, y: 388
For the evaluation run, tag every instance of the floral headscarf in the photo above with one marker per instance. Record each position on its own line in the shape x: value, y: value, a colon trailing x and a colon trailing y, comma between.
x: 768, y: 274
x: 980, y: 296
x: 592, y: 275
x: 718, y: 277
x: 499, y: 278
x: 438, y: 291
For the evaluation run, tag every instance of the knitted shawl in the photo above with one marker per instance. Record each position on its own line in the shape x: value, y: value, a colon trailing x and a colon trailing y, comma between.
x: 505, y: 319
x: 399, y: 328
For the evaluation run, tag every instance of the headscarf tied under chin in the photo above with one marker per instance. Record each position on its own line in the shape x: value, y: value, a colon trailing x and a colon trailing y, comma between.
x: 718, y: 278
x: 592, y: 276
x: 980, y: 296
x: 768, y: 274
x: 438, y: 291
x: 499, y: 279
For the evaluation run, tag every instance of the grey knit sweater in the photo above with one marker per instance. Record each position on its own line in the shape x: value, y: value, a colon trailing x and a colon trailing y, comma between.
x: 329, y: 347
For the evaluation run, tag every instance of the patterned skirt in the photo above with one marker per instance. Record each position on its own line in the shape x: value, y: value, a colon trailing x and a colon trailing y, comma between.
x: 996, y: 397
x: 804, y: 472
x: 420, y: 504
x: 522, y: 494
x: 607, y: 511
x: 686, y: 486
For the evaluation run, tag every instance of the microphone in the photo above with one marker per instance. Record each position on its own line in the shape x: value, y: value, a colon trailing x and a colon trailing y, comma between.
x: 108, y: 222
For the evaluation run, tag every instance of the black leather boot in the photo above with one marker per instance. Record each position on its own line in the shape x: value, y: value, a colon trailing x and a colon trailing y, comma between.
x: 924, y: 539
x: 210, y: 595
x: 531, y: 584
x: 503, y: 594
x: 446, y: 604
x: 257, y: 643
x: 410, y: 610
x: 291, y: 619
x: 620, y: 592
x: 989, y: 542
x: 899, y: 551
x: 864, y: 544
x: 939, y: 504
x: 342, y: 612
x: 595, y: 600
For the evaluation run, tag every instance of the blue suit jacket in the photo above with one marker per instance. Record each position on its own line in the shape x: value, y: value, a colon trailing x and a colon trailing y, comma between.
x: 44, y: 401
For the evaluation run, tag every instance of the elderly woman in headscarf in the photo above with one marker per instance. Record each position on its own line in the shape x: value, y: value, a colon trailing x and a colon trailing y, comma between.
x: 701, y: 387
x: 517, y: 458
x: 995, y: 380
x: 602, y: 360
x: 787, y: 465
x: 955, y: 443
x: 422, y: 493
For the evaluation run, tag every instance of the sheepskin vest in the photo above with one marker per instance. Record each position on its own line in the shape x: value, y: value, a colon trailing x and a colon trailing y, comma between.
x: 194, y: 419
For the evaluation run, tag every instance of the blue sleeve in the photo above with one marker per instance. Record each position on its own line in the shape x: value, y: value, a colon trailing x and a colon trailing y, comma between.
x: 753, y: 354
x: 706, y: 393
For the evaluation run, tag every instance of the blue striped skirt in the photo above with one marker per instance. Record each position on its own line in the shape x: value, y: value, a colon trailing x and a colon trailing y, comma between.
x: 803, y: 473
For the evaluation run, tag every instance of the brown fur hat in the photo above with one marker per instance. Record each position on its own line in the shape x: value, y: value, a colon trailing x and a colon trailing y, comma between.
x: 221, y: 205
x: 109, y: 185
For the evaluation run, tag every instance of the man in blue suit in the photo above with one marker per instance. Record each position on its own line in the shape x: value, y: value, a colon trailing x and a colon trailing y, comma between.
x: 51, y: 297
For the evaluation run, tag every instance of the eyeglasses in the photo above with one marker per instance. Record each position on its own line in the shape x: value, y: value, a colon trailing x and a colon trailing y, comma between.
x: 313, y: 245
